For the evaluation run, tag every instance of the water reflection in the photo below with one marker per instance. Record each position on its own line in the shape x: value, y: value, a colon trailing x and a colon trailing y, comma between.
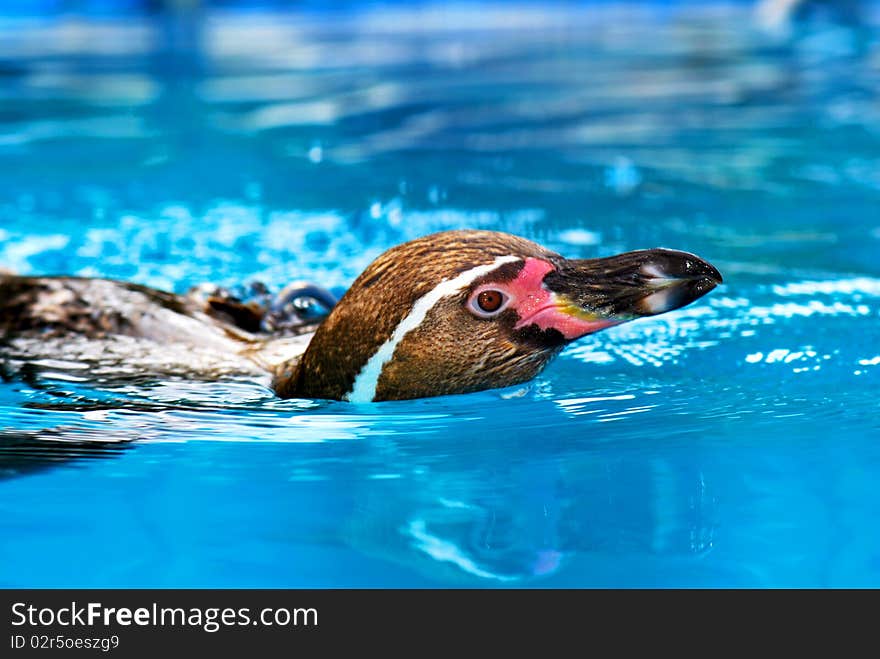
x: 512, y: 518
x: 444, y: 489
x: 27, y: 452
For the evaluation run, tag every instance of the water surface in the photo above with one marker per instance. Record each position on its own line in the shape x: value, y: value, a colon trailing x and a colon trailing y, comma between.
x: 730, y: 443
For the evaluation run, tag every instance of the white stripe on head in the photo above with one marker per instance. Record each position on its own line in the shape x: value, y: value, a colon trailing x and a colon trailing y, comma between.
x: 364, y: 388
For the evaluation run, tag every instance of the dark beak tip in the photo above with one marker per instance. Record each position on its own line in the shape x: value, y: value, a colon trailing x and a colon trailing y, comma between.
x: 689, y: 278
x: 677, y: 263
x: 713, y: 273
x: 706, y: 285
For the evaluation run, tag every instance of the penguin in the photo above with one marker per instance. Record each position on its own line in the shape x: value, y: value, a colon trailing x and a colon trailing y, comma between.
x: 448, y: 313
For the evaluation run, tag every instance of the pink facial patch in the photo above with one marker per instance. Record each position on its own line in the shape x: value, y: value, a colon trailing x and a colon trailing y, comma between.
x: 538, y: 306
x: 571, y: 327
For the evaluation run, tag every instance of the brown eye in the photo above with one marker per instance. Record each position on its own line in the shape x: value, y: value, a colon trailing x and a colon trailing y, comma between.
x: 490, y: 301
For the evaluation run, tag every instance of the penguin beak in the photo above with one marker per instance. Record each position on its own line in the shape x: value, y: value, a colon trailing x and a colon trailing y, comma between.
x: 602, y: 292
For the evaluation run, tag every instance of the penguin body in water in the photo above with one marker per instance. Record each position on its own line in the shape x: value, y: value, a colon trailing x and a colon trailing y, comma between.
x: 448, y: 313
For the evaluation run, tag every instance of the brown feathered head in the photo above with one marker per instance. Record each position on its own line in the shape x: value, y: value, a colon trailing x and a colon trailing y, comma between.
x: 461, y: 311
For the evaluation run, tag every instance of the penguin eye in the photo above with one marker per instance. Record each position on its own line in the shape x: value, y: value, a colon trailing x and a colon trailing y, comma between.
x: 490, y: 300
x: 488, y: 303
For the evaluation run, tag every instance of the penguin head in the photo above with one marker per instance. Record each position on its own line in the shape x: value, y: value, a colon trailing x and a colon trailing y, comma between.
x: 462, y: 311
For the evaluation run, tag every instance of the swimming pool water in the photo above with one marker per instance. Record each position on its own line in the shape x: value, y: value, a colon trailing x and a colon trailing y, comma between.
x: 730, y: 443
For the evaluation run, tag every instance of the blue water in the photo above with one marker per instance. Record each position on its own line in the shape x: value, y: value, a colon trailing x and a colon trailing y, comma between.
x: 735, y: 442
